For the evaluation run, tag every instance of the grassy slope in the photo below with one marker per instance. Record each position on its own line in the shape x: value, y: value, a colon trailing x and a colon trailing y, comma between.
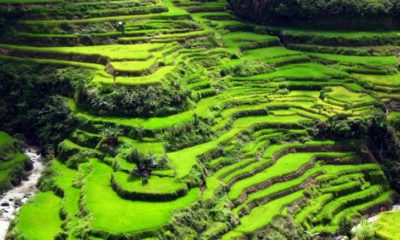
x: 40, y: 220
x: 110, y: 212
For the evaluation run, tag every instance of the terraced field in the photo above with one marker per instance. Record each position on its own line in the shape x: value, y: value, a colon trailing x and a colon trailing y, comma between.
x: 231, y: 149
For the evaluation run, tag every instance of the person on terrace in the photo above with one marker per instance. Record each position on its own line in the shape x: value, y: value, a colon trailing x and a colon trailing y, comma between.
x: 121, y: 26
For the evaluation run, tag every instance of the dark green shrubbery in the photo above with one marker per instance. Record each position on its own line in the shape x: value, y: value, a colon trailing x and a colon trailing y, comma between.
x: 8, y: 17
x: 341, y: 127
x: 385, y: 145
x: 139, y: 101
x: 27, y: 105
x: 186, y: 135
x: 247, y: 69
x: 345, y: 226
x: 376, y: 132
x: 324, y: 13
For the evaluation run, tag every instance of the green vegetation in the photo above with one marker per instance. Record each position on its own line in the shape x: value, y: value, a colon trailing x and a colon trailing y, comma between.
x: 13, y: 162
x: 321, y: 13
x: 177, y: 120
x: 42, y: 213
x: 112, y: 217
x: 388, y: 225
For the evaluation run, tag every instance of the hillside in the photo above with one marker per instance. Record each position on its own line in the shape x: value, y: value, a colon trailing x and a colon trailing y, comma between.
x: 352, y: 14
x: 175, y: 119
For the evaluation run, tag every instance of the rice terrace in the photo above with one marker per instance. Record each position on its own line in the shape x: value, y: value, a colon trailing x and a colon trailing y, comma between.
x: 199, y: 119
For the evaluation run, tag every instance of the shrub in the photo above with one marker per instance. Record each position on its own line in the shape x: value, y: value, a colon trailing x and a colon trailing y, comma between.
x: 81, y: 157
x: 248, y: 68
x: 186, y: 135
x: 365, y: 231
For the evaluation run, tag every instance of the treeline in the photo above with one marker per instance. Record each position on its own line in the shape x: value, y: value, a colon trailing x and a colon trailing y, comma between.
x: 29, y: 104
x: 135, y: 102
x: 321, y: 13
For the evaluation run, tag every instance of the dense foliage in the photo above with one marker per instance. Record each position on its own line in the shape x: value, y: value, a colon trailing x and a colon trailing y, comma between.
x: 24, y: 108
x: 124, y: 101
x: 326, y: 12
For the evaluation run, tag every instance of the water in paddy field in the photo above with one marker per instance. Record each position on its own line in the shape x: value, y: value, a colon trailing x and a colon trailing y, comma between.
x: 11, y: 201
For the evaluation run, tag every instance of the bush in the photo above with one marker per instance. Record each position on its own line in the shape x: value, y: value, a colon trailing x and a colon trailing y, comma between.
x: 248, y: 68
x: 186, y: 135
x: 365, y: 231
x: 81, y: 157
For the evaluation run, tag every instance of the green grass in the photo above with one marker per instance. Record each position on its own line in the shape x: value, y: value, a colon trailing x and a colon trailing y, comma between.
x: 289, y: 163
x: 110, y: 212
x: 246, y: 40
x: 380, y: 80
x: 269, y: 53
x: 329, y: 210
x: 320, y: 168
x: 388, y: 225
x: 309, y: 71
x: 40, y: 219
x: 156, y: 148
x: 155, y: 78
x: 268, y: 154
x: 113, y: 52
x: 5, y: 140
x: 134, y: 66
x: 341, y: 96
x: 173, y: 13
x: 64, y: 179
x: 355, y: 211
x: 54, y: 62
x: 338, y: 34
x: 261, y: 216
x: 155, y: 185
x: 363, y: 60
x: 185, y: 159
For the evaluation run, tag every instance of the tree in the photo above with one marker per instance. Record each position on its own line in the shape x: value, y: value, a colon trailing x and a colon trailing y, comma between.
x: 110, y: 135
x: 144, y: 163
x: 55, y: 121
